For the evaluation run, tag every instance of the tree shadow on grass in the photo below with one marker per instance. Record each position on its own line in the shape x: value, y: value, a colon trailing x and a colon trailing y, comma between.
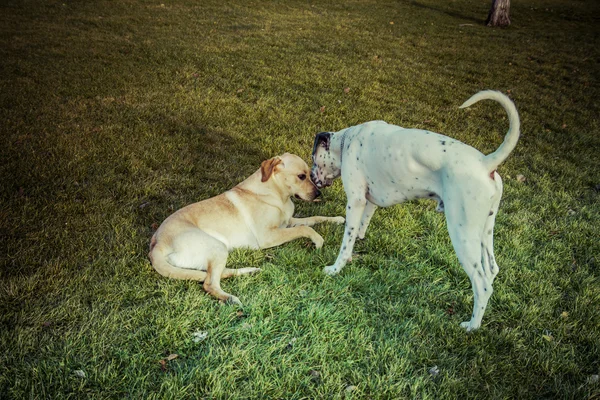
x: 447, y: 12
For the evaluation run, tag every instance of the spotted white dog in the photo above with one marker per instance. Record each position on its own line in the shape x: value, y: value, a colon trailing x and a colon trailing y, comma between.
x: 382, y: 165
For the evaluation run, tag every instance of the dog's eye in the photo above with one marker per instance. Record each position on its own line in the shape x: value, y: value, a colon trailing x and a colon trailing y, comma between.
x: 302, y: 177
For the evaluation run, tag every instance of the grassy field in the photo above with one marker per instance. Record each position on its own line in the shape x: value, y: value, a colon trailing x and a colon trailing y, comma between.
x: 113, y: 114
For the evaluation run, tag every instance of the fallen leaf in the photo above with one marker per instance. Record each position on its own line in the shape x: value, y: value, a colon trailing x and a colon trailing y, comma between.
x: 322, y: 109
x: 240, y: 90
x: 521, y: 178
x: 564, y: 315
x: 163, y: 364
x: 548, y: 338
x: 347, y: 90
x: 571, y: 212
x: 199, y: 336
x: 154, y: 226
x: 350, y: 388
x: 172, y: 357
x: 79, y: 373
x: 434, y: 371
x: 391, y: 22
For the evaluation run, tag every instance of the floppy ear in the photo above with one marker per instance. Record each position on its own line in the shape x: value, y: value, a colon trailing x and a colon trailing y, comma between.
x: 268, y: 167
x: 322, y: 139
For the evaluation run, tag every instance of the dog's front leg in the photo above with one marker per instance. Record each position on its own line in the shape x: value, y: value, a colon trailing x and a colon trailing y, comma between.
x: 310, y: 221
x: 354, y: 212
x: 277, y: 236
x: 366, y: 218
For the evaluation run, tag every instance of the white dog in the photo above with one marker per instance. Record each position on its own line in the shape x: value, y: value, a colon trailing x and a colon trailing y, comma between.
x: 194, y: 242
x: 382, y: 165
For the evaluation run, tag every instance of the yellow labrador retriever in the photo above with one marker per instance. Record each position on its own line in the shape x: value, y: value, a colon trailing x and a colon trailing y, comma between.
x: 194, y: 242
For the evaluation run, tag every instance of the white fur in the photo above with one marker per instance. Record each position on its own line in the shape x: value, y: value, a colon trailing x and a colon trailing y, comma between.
x: 382, y: 164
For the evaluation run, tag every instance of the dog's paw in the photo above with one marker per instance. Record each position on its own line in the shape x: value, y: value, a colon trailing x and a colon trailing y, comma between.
x: 331, y: 270
x: 318, y: 241
x: 232, y: 300
x: 338, y: 220
x: 467, y: 325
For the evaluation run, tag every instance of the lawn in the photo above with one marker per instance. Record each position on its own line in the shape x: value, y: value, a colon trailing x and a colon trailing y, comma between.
x: 116, y: 113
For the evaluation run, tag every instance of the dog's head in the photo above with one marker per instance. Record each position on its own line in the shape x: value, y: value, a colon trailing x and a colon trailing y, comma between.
x: 325, y: 167
x: 291, y: 174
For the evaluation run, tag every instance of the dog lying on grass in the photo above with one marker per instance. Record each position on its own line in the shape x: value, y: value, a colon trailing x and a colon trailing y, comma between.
x: 382, y: 165
x: 194, y: 242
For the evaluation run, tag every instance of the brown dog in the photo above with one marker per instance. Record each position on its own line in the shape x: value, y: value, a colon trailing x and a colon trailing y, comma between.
x: 194, y: 242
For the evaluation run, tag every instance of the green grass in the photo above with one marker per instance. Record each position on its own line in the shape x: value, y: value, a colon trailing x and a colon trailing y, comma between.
x: 115, y: 114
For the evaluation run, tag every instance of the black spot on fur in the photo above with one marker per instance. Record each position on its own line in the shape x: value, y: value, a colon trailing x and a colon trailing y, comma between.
x: 491, y: 213
x: 443, y: 142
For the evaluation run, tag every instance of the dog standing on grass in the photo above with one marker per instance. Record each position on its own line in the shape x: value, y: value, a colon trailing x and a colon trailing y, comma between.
x: 382, y: 165
x: 194, y: 242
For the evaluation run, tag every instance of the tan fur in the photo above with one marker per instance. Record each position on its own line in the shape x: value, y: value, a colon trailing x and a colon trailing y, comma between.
x: 193, y: 243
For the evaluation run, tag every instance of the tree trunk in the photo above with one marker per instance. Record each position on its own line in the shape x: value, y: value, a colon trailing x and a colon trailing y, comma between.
x: 498, y: 15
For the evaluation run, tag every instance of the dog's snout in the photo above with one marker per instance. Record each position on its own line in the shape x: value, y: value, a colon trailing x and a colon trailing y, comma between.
x: 317, y: 193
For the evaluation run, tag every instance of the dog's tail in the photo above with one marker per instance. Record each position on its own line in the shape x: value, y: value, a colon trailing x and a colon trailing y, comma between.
x: 512, y: 136
x: 162, y: 266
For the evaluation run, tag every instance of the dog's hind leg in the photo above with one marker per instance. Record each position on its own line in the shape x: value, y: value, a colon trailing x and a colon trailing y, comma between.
x: 194, y: 249
x: 489, y: 261
x: 228, y: 272
x: 215, y: 271
x: 466, y: 232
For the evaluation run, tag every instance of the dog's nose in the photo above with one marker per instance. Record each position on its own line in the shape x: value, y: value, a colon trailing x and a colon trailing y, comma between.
x: 318, y: 193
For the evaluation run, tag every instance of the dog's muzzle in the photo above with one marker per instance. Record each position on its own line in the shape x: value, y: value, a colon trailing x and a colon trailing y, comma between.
x: 319, y: 183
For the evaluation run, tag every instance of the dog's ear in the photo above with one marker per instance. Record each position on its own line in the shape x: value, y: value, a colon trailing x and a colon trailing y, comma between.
x: 268, y: 167
x: 322, y: 139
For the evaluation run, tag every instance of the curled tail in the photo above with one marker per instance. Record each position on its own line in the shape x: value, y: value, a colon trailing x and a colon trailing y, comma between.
x: 512, y: 136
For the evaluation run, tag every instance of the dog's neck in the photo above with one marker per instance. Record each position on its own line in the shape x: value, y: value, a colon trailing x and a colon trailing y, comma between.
x: 336, y: 146
x: 264, y: 190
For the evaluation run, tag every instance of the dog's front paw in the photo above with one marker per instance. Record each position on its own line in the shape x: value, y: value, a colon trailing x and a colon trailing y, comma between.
x: 318, y: 241
x: 338, y: 220
x: 467, y: 325
x: 331, y: 270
